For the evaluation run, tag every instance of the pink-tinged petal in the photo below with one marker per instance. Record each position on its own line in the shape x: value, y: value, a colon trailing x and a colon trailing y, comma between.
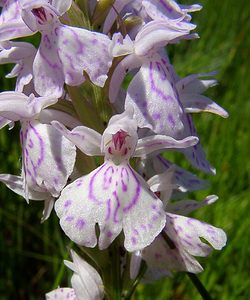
x: 86, y: 281
x: 163, y: 10
x: 112, y: 15
x: 24, y: 77
x: 190, y: 8
x: 185, y: 180
x: 121, y: 46
x: 116, y: 198
x: 11, y: 23
x: 155, y: 100
x: 163, y: 181
x: 16, y: 184
x: 184, y: 207
x: 47, y: 67
x: 157, y: 34
x: 129, y: 63
x: 135, y: 264
x: 159, y: 142
x: 48, y: 207
x: 196, y: 154
x: 86, y: 139
x: 81, y: 51
x: 169, y: 10
x: 61, y: 294
x: 48, y: 115
x: 186, y: 233
x: 161, y: 257
x: 62, y: 6
x: 65, y: 53
x: 17, y: 106
x: 195, y: 103
x: 184, y: 241
x: 192, y: 83
x: 38, y: 15
x: 4, y: 122
x: 143, y: 216
x: 15, y: 51
x: 23, y: 55
x: 48, y: 157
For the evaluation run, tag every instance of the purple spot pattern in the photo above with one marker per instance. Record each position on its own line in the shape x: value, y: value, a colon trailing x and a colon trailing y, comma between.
x: 157, y: 104
x: 114, y: 197
x: 32, y: 142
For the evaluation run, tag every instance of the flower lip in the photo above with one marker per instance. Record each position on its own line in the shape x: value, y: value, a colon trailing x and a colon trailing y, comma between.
x: 118, y: 139
x: 40, y: 14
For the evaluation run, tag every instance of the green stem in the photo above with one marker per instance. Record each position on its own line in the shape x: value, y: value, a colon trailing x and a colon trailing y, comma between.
x: 199, y: 286
x: 116, y: 272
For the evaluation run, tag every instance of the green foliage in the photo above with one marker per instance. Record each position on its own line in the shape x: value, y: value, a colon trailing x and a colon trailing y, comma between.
x: 32, y: 253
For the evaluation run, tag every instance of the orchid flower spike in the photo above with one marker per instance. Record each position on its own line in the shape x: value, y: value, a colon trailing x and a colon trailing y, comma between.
x: 113, y: 196
x: 86, y: 282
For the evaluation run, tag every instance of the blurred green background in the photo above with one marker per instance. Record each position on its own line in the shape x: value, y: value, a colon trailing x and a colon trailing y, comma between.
x: 32, y: 254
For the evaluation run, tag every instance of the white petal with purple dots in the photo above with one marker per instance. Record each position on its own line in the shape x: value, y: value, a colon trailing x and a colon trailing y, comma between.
x: 116, y: 198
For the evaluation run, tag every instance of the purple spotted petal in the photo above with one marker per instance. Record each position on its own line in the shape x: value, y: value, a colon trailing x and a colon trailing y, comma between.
x: 169, y: 10
x: 185, y: 234
x: 61, y: 294
x: 184, y: 179
x: 116, y: 198
x: 48, y: 157
x: 160, y: 256
x: 155, y: 101
x: 196, y: 154
x: 65, y: 53
x: 83, y: 50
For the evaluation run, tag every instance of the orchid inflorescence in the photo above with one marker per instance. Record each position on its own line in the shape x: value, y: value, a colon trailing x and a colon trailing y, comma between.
x: 101, y: 83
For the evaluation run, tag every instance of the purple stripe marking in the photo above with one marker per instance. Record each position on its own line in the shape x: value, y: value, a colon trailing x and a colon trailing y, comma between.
x: 117, y: 207
x: 91, y: 195
x: 108, y: 209
x: 124, y: 173
x: 41, y: 144
x: 153, y: 86
x: 137, y: 192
